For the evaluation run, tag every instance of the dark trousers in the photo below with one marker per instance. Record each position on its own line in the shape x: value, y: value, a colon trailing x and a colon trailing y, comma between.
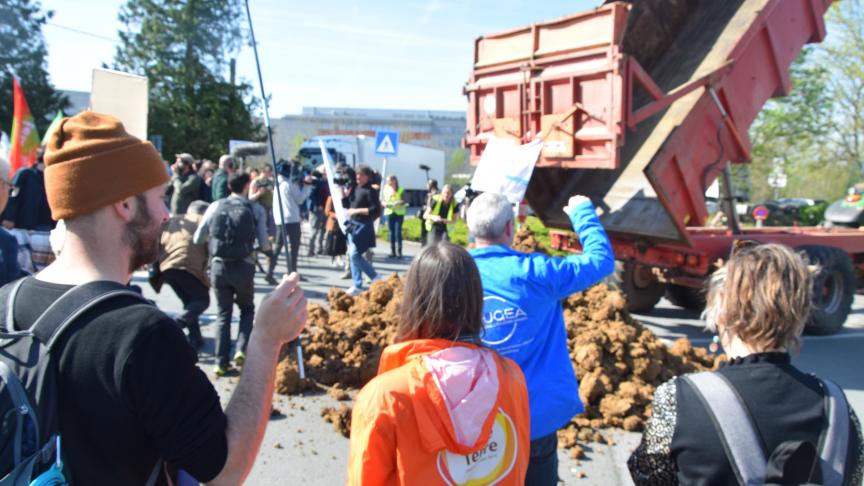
x: 317, y: 220
x: 293, y: 232
x: 195, y: 297
x: 232, y: 282
x: 394, y: 227
x: 543, y: 462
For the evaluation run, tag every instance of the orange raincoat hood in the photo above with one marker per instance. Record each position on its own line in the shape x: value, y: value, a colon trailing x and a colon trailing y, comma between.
x: 441, y: 420
x: 445, y: 411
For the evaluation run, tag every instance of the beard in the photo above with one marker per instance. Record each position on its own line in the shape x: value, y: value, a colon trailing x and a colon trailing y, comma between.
x: 142, y: 235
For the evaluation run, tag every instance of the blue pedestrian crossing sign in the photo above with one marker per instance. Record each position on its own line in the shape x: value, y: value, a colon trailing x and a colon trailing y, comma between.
x: 387, y: 143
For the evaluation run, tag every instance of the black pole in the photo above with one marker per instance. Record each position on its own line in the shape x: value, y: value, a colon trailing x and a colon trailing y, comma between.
x: 296, y: 343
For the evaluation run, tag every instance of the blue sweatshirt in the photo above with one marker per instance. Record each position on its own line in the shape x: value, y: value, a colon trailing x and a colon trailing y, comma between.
x: 523, y: 319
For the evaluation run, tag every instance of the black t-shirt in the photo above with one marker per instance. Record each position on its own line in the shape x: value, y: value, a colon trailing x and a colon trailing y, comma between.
x: 444, y: 211
x: 363, y: 197
x: 130, y: 393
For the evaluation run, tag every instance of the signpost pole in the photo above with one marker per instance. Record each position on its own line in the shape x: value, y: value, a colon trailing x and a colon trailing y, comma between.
x: 383, y: 178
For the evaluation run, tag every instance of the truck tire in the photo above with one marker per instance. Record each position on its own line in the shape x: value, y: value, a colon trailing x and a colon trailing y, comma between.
x: 685, y: 297
x: 642, y: 290
x: 833, y: 289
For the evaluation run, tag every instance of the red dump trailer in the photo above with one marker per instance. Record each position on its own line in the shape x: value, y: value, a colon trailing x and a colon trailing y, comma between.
x: 642, y: 106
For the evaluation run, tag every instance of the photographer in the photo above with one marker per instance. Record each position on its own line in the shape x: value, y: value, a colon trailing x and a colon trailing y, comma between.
x: 293, y: 185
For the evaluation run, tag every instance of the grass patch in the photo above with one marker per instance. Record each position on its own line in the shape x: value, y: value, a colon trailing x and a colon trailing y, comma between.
x: 411, y: 231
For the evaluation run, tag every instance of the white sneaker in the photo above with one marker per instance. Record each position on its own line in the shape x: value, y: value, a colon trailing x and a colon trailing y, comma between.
x: 377, y: 278
x: 353, y: 291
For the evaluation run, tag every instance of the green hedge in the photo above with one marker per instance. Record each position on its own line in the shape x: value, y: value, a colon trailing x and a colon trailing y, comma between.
x: 459, y: 232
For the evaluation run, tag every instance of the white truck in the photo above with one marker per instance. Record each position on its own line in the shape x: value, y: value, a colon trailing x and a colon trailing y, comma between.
x: 413, y: 166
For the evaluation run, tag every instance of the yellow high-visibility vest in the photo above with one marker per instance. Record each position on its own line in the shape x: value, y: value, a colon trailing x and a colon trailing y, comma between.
x: 437, y: 210
x: 390, y: 201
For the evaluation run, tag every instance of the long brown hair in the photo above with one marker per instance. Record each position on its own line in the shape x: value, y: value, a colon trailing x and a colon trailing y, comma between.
x: 443, y: 296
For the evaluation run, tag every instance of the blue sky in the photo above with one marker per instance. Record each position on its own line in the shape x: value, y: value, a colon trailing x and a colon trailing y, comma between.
x: 373, y: 54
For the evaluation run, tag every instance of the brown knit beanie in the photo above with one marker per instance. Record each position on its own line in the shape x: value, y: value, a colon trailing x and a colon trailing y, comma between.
x: 92, y: 162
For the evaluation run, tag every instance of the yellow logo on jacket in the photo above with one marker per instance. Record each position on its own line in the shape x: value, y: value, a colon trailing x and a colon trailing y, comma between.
x: 489, y: 465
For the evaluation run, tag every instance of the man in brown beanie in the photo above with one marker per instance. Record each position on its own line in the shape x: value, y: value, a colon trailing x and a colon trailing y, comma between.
x: 132, y: 404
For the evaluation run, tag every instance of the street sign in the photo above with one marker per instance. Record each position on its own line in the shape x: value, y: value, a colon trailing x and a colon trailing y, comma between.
x: 777, y: 178
x: 760, y: 213
x: 387, y: 143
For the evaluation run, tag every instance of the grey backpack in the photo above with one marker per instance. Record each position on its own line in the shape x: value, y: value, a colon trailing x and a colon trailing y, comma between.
x: 29, y: 437
x: 232, y: 231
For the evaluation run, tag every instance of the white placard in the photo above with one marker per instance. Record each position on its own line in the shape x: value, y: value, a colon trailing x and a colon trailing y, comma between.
x: 121, y: 95
x: 505, y: 168
x: 335, y: 189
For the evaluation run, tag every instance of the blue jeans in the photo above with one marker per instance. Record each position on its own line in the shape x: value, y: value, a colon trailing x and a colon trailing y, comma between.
x: 359, y: 265
x: 394, y: 226
x: 543, y: 461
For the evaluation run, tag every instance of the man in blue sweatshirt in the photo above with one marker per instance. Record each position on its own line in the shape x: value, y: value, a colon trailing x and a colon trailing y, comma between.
x: 522, y: 313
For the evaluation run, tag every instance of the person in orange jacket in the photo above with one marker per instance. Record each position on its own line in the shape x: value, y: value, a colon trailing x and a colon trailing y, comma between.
x: 443, y: 410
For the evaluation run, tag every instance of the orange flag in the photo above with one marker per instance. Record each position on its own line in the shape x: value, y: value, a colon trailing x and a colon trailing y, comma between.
x: 25, y: 138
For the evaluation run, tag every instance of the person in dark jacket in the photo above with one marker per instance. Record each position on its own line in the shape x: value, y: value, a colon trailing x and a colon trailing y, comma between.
x: 27, y: 208
x: 9, y: 267
x: 758, y: 304
x: 186, y: 184
x: 28, y: 218
x: 219, y: 184
x: 363, y: 207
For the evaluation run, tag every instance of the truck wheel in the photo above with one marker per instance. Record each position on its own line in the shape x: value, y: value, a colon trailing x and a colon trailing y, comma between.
x: 685, y: 297
x: 833, y: 289
x: 638, y: 284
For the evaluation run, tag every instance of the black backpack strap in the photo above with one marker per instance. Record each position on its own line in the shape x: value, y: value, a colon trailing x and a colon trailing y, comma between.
x: 734, y: 425
x: 65, y: 310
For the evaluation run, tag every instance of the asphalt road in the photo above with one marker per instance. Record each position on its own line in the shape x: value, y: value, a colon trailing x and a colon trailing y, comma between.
x: 300, y: 448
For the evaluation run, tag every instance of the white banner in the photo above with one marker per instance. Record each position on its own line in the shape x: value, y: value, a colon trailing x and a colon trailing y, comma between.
x: 335, y: 190
x: 505, y: 168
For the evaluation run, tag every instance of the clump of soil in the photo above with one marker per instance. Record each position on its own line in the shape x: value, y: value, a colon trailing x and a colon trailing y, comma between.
x: 525, y: 242
x: 340, y: 418
x: 619, y: 363
x: 288, y: 380
x: 337, y: 393
x: 344, y: 344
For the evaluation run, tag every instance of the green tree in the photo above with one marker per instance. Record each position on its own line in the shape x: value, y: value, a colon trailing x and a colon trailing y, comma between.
x: 844, y: 54
x: 456, y: 166
x: 793, y: 134
x: 181, y: 46
x: 24, y: 55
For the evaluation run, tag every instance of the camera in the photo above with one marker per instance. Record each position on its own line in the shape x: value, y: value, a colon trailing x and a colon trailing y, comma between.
x: 294, y: 171
x: 344, y: 176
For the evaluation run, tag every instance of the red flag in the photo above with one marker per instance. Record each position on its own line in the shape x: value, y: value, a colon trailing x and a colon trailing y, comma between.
x: 25, y: 138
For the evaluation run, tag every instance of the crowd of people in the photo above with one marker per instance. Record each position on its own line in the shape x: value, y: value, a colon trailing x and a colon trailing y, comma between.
x: 472, y: 391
